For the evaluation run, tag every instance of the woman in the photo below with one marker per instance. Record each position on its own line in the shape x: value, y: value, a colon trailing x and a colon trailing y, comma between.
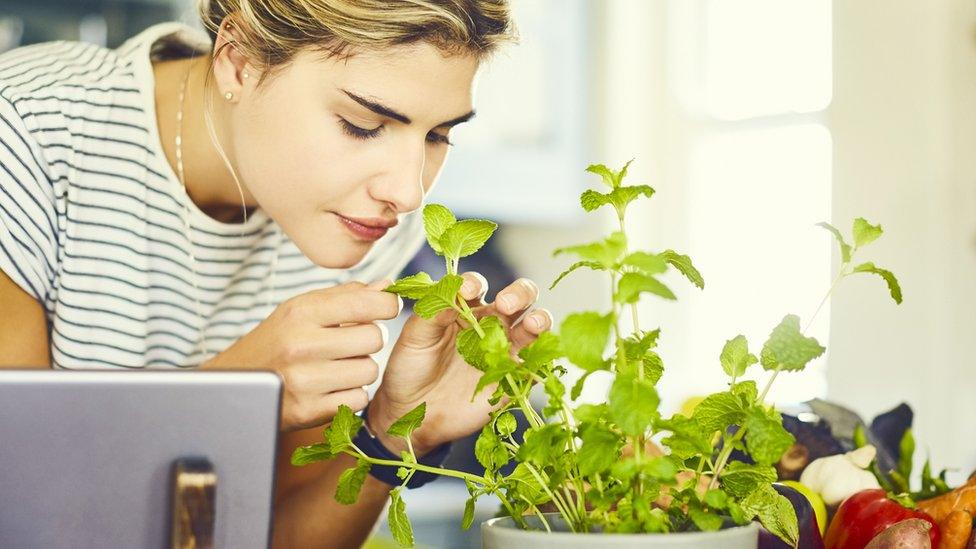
x: 184, y: 202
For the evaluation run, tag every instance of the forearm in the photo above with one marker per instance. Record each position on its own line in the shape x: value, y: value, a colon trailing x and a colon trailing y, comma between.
x: 310, y: 517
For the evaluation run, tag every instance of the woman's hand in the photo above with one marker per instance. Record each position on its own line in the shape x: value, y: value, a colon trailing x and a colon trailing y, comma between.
x: 319, y: 343
x: 425, y: 366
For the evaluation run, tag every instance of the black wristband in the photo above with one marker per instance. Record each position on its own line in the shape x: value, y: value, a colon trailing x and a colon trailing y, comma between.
x: 372, y: 447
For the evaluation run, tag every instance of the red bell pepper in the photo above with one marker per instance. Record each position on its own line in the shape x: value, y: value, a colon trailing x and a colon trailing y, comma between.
x: 865, y: 515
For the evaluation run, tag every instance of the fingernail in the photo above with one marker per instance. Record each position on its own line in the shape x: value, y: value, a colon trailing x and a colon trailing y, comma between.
x: 399, y: 305
x: 507, y: 301
x: 468, y: 287
x: 385, y: 332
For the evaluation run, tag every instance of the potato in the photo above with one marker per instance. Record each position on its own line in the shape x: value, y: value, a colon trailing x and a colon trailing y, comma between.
x: 907, y: 534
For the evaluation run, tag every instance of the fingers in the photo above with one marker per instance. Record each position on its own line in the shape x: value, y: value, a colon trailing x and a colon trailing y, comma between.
x: 323, y: 409
x: 354, y: 303
x: 474, y: 288
x: 517, y: 297
x: 354, y: 340
x: 529, y: 328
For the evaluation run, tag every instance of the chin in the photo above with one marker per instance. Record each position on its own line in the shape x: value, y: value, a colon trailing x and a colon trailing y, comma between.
x: 346, y: 257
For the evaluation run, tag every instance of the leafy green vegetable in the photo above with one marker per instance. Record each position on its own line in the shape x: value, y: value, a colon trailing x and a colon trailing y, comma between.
x: 303, y: 455
x: 775, y: 512
x: 409, y: 422
x: 440, y: 297
x: 865, y: 233
x: 766, y: 439
x: 633, y: 404
x: 351, y: 482
x: 633, y: 284
x: 397, y: 519
x: 787, y: 348
x: 845, y: 248
x: 607, y: 253
x: 893, y: 287
x: 466, y: 237
x: 735, y: 357
x: 437, y: 219
x: 592, y: 265
x: 684, y: 266
x: 584, y: 338
x: 343, y: 428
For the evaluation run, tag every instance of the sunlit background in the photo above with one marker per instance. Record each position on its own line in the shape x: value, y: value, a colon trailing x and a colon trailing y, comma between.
x: 754, y: 120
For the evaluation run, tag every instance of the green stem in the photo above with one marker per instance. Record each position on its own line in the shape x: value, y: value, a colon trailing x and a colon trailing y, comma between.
x: 779, y: 367
x: 480, y: 481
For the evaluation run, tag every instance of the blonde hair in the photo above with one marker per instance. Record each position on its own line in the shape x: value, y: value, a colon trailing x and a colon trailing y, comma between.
x: 271, y: 32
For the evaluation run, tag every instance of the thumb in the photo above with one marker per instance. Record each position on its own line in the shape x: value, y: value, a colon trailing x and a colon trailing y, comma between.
x: 421, y: 333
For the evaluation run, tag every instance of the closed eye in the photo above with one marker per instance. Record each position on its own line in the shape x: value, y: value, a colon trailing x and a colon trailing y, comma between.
x: 440, y: 139
x: 357, y: 132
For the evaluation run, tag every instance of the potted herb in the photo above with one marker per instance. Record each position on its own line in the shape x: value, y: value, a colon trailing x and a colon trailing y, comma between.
x: 594, y: 463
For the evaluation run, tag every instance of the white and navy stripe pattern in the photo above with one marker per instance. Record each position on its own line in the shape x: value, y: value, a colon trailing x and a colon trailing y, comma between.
x: 91, y: 218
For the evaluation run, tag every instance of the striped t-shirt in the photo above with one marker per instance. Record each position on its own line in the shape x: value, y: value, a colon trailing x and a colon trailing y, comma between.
x: 91, y: 216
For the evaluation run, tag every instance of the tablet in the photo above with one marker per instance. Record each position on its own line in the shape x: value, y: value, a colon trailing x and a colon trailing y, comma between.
x: 87, y: 458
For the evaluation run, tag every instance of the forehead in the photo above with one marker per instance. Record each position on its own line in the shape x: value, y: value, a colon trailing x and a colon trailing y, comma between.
x: 418, y: 80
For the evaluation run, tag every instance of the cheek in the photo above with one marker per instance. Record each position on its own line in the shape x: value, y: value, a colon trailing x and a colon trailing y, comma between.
x: 284, y: 153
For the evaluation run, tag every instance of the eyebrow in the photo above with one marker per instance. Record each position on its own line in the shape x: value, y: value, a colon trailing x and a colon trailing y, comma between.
x: 383, y: 110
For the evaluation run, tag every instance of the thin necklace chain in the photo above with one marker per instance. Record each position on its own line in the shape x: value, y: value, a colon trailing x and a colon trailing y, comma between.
x: 186, y: 213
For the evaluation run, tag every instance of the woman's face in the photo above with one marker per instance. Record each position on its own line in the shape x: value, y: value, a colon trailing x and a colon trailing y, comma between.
x: 328, y: 142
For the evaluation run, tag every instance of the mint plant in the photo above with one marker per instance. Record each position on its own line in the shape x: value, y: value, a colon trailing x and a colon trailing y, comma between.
x: 594, y: 463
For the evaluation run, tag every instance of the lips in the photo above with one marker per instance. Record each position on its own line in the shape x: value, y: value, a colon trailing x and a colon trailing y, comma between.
x: 369, y: 229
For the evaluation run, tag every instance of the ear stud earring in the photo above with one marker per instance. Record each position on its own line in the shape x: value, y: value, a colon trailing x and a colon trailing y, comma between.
x: 228, y: 96
x: 246, y: 74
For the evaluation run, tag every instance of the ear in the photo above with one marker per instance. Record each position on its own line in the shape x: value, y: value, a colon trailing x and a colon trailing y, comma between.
x: 229, y: 63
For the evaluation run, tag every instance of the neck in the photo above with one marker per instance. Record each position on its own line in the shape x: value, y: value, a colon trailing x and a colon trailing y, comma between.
x: 209, y: 182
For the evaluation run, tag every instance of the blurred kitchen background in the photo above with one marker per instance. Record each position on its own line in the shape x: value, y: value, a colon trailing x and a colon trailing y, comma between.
x: 754, y: 120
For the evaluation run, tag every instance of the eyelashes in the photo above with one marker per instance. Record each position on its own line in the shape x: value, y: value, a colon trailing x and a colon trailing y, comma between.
x: 364, y: 134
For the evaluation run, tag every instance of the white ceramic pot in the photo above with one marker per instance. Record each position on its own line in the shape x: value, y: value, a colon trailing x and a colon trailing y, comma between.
x: 503, y: 533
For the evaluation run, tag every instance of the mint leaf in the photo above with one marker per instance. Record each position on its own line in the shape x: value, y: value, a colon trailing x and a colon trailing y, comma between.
x: 718, y: 411
x: 577, y: 389
x: 505, y: 424
x: 303, y: 455
x: 468, y: 514
x: 437, y: 219
x: 646, y: 263
x: 766, y: 439
x: 716, y: 499
x: 466, y: 237
x: 524, y: 485
x: 351, y: 482
x: 592, y: 265
x: 607, y: 253
x: 555, y: 391
x: 584, y: 338
x: 865, y: 233
x: 787, y: 348
x: 736, y: 357
x: 619, y: 198
x: 893, y: 287
x: 409, y: 422
x: 775, y: 512
x: 488, y: 450
x: 746, y: 391
x: 610, y: 177
x: 541, y: 352
x: 631, y: 285
x: 739, y: 479
x: 440, y: 297
x: 343, y: 428
x: 633, y: 404
x: 599, y: 450
x: 543, y: 445
x: 687, y: 439
x: 591, y: 413
x: 705, y: 521
x: 845, y: 248
x: 397, y: 520
x: 660, y: 468
x: 469, y: 342
x: 412, y: 287
x: 684, y: 266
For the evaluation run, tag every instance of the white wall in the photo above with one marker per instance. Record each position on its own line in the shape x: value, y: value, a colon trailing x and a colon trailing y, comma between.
x: 904, y: 126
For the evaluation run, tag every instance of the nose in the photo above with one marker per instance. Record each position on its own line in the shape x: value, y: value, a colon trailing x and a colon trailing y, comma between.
x: 402, y: 183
